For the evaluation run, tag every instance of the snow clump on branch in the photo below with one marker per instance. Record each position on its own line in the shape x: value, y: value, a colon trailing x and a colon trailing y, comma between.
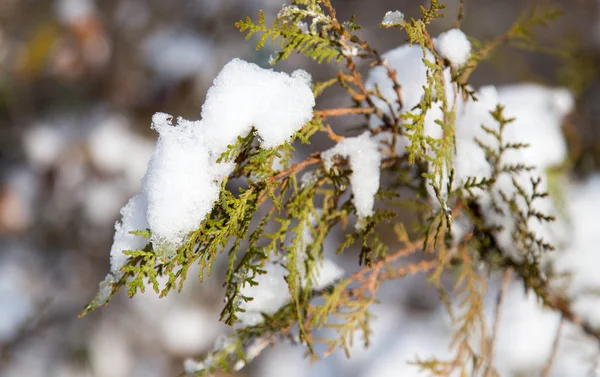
x: 183, y: 179
x: 454, y: 46
x: 364, y: 156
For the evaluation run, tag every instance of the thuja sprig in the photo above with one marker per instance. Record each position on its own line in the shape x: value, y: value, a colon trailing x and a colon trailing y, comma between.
x: 319, y: 203
x: 520, y: 204
x: 303, y: 26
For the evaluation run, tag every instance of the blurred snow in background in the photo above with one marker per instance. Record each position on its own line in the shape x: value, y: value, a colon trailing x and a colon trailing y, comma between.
x: 79, y: 82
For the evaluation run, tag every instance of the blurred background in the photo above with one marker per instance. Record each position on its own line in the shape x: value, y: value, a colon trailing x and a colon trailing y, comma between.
x: 79, y: 81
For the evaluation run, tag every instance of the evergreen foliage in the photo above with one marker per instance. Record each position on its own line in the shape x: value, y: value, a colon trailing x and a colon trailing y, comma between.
x: 316, y: 205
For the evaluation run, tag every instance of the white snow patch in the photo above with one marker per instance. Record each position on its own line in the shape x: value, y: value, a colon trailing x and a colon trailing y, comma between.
x: 183, y: 178
x: 116, y: 149
x: 178, y: 184
x: 526, y: 332
x: 364, y: 156
x: 74, y: 11
x: 102, y: 202
x: 392, y: 18
x: 272, y: 291
x: 581, y: 257
x: 44, y: 144
x: 303, y: 26
x: 454, y: 46
x: 411, y: 74
x: 269, y: 295
x: 188, y: 330
x: 133, y: 218
x: 539, y: 112
x: 192, y: 366
x: 244, y: 95
x: 418, y: 339
x: 327, y: 273
x: 111, y: 353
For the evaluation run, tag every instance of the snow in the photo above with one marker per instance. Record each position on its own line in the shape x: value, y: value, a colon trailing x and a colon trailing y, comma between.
x: 44, y: 144
x: 539, y: 112
x: 133, y: 218
x: 365, y: 158
x: 110, y: 353
x: 192, y: 366
x: 252, y: 350
x: 303, y: 26
x: 526, y: 332
x: 269, y: 295
x: 272, y: 291
x: 244, y: 95
x: 581, y: 256
x: 327, y: 273
x: 392, y: 18
x: 183, y: 178
x: 411, y: 74
x: 178, y: 184
x: 102, y: 202
x: 454, y: 46
x: 290, y: 361
x: 469, y: 159
x: 418, y: 339
x: 188, y: 330
x: 74, y: 11
x: 115, y: 149
x: 105, y: 288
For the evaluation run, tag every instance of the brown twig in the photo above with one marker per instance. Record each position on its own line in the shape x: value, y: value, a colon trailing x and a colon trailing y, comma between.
x: 391, y: 73
x: 324, y: 114
x: 294, y: 168
x: 332, y: 135
x: 499, y: 300
x: 311, y: 160
x: 483, y: 53
x: 461, y: 13
x: 548, y: 366
x: 555, y: 302
x: 371, y: 277
x: 356, y: 79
